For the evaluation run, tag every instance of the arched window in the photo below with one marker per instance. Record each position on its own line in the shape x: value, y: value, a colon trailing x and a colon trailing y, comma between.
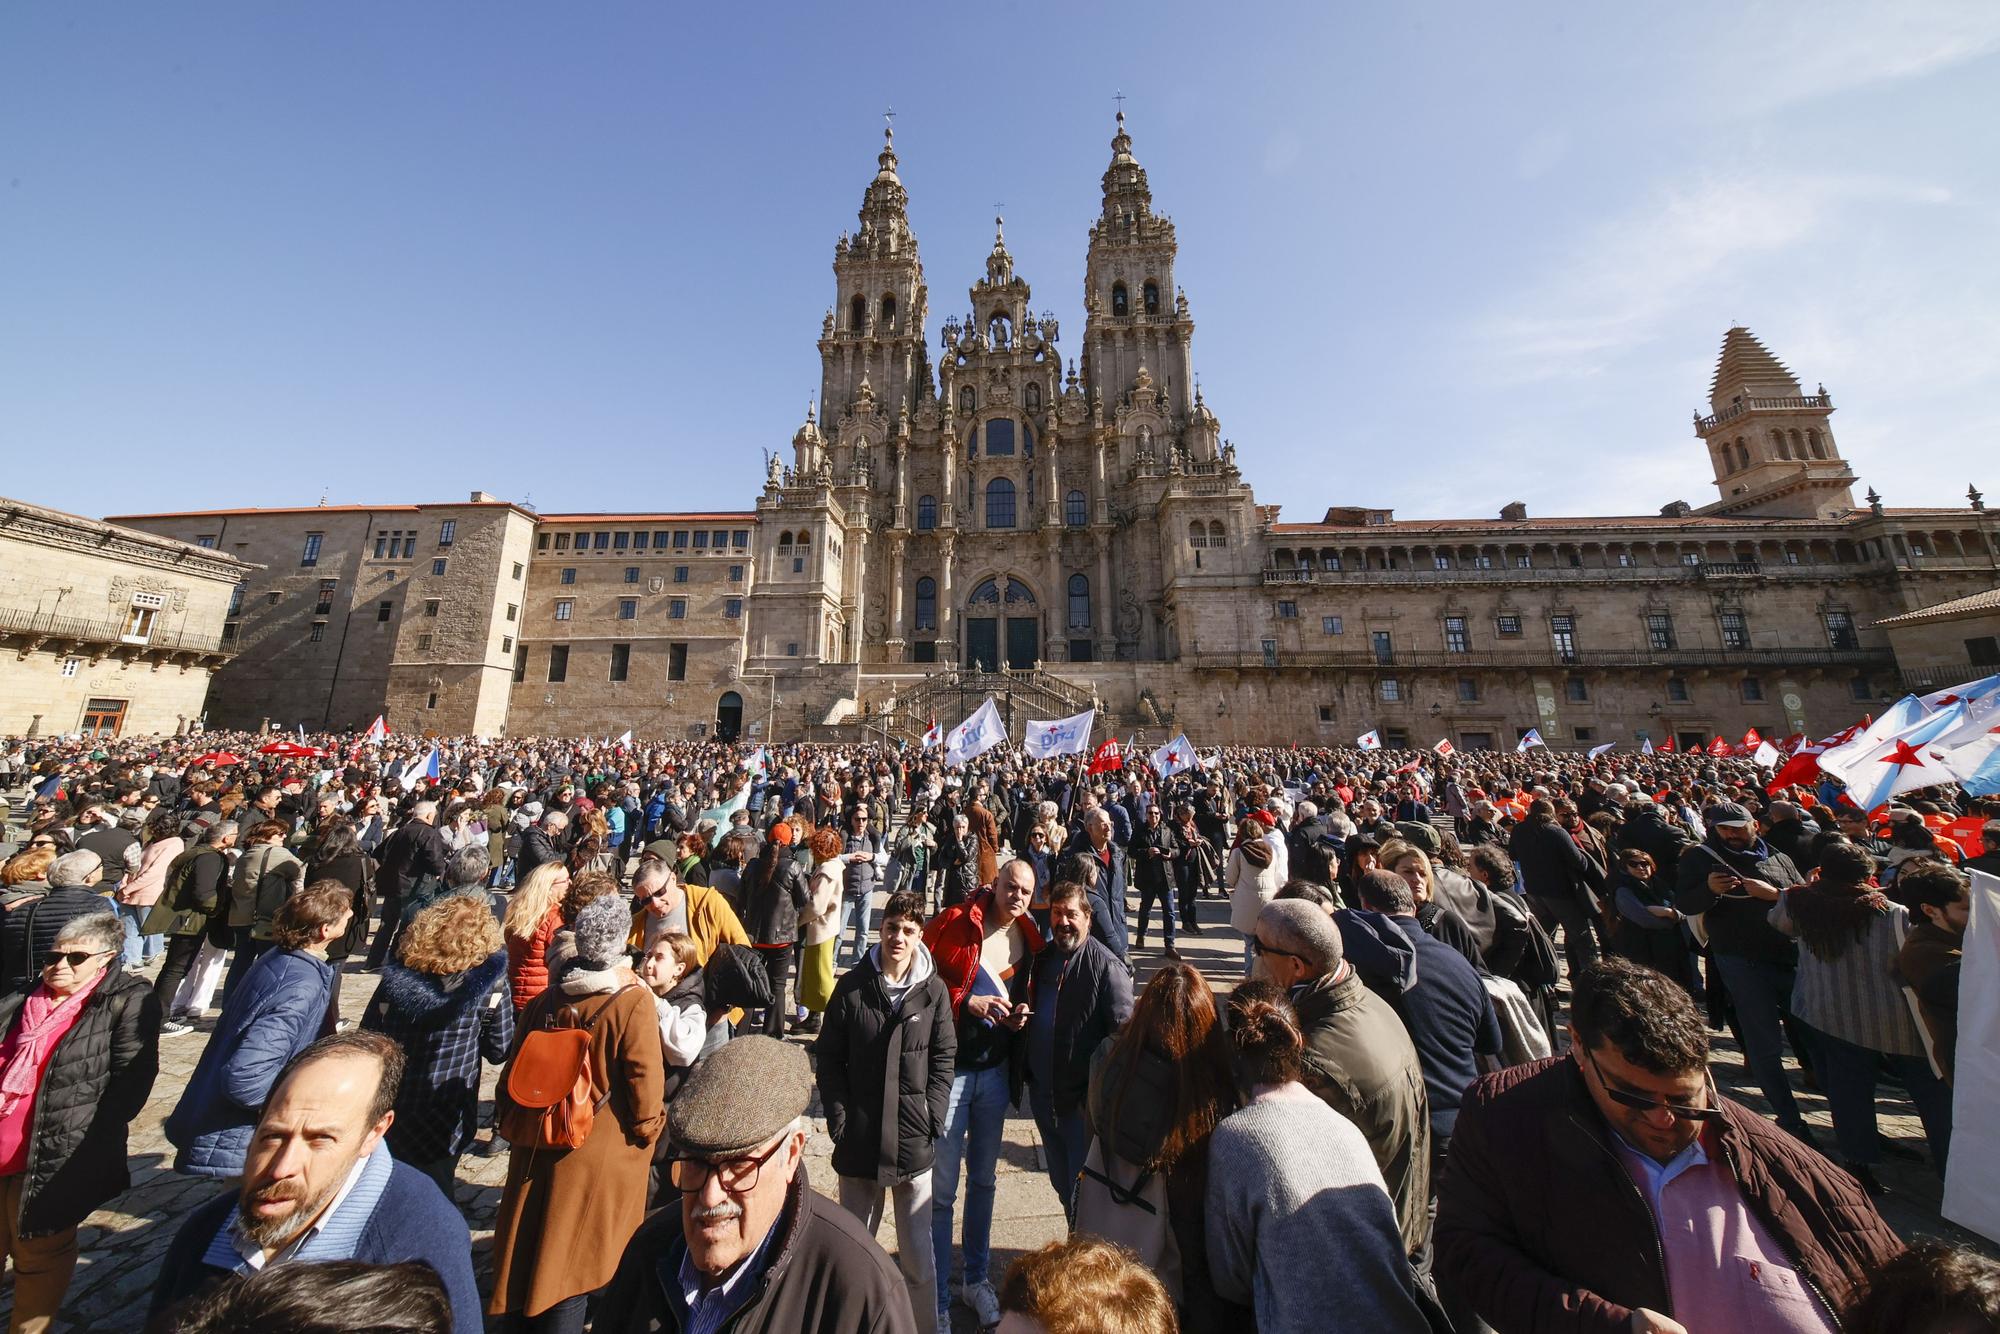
x: 805, y: 539
x: 926, y: 513
x: 889, y: 311
x: 999, y: 438
x: 1079, y: 602
x: 1197, y: 534
x: 1783, y: 450
x: 1814, y: 443
x: 1000, y: 503
x: 1216, y: 533
x: 1150, y: 294
x: 1034, y: 398
x: 857, y: 314
x: 926, y: 603
x: 1076, y: 510
x: 785, y: 540
x: 1121, y: 305
x: 967, y: 401
x: 1742, y: 454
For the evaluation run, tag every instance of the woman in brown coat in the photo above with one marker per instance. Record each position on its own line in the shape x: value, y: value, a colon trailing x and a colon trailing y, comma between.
x: 566, y: 1214
x: 986, y: 830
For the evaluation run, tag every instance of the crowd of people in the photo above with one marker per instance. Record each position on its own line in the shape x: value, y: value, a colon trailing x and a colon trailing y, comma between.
x: 1460, y: 1079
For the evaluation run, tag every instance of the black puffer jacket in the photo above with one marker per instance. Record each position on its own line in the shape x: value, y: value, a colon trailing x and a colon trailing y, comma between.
x: 31, y: 929
x: 771, y: 915
x: 1737, y: 925
x: 99, y: 1077
x: 885, y: 1073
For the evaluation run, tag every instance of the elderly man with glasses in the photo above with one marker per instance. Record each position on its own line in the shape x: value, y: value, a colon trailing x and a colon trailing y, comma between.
x: 752, y: 1247
x: 1614, y: 1189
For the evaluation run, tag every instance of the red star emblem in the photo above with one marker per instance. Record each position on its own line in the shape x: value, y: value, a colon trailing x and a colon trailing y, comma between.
x: 1905, y: 753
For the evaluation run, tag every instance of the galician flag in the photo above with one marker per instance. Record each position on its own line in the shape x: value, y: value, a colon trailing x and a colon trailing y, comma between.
x: 1369, y: 740
x: 1444, y: 746
x: 1529, y: 740
x: 1595, y: 751
x: 1065, y: 736
x: 933, y: 735
x: 625, y: 737
x: 1899, y: 763
x: 720, y: 814
x: 1174, y: 757
x: 1976, y: 765
x: 975, y: 736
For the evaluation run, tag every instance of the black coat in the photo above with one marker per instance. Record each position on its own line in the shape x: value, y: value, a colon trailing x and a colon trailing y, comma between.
x: 771, y: 912
x: 414, y: 851
x: 1552, y: 866
x: 1092, y: 1002
x: 1148, y: 871
x: 98, y: 1079
x: 31, y: 928
x: 1737, y: 926
x: 885, y: 1076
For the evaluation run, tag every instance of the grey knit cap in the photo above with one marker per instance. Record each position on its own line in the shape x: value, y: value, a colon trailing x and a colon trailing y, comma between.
x: 751, y: 1088
x: 601, y: 931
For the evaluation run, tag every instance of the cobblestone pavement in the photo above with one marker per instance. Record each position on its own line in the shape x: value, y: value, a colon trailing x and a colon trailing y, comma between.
x: 122, y: 1245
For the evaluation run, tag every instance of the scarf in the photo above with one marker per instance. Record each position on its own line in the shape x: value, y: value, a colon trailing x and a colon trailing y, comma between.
x: 30, y: 1042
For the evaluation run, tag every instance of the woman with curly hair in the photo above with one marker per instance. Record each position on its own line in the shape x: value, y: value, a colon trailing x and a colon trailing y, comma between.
x: 593, y: 851
x: 444, y: 999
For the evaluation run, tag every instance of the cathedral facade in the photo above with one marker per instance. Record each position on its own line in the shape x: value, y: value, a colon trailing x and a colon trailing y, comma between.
x: 1062, y: 525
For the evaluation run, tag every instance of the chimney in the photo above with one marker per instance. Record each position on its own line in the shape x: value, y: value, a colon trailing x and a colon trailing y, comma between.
x: 1515, y: 512
x: 483, y: 498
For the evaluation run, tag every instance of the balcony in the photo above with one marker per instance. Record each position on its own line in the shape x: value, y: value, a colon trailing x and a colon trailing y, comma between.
x: 1572, y: 574
x: 1803, y: 403
x: 1521, y: 659
x: 30, y: 630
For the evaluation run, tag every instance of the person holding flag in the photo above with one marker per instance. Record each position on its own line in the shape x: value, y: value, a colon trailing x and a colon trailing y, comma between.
x: 1529, y: 740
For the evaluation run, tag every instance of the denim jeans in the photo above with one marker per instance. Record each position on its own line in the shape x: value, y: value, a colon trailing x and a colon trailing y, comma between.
x: 857, y: 911
x: 1762, y: 995
x: 1065, y: 1141
x: 138, y: 948
x: 973, y: 1125
x: 1849, y: 1073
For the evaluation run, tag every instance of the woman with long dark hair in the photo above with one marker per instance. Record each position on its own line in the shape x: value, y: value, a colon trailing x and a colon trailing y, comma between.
x: 1847, y: 995
x: 1156, y: 1093
x: 774, y: 893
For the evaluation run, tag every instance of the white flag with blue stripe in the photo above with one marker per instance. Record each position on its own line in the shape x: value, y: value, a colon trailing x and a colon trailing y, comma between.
x: 1064, y: 736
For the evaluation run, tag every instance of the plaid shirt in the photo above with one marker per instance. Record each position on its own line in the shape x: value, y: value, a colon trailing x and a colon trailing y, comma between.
x: 445, y: 1027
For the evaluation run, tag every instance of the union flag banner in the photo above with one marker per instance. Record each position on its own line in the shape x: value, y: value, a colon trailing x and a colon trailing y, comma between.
x: 1108, y: 757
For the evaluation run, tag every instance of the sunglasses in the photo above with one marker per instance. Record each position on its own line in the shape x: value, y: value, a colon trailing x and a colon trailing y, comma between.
x: 1261, y: 949
x: 1638, y: 1104
x: 75, y: 958
x: 41, y: 843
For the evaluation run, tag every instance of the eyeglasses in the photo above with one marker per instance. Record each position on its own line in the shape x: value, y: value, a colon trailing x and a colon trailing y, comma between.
x: 75, y: 958
x: 1261, y: 949
x: 1639, y: 1104
x: 738, y: 1176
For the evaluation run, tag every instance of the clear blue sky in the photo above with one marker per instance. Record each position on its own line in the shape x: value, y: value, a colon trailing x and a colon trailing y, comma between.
x: 1440, y: 257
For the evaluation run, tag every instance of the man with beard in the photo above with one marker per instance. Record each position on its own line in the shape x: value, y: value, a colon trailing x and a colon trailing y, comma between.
x: 319, y: 1184
x: 1079, y: 995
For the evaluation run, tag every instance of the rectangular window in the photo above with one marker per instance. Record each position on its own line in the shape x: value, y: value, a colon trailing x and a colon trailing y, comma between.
x: 521, y: 663
x: 680, y: 539
x: 1735, y: 630
x: 619, y: 541
x: 1523, y: 561
x: 639, y: 541
x: 229, y: 630
x: 423, y: 643
x: 1288, y: 611
x: 318, y: 631
x: 1577, y: 690
x: 733, y: 609
x: 1392, y: 689
x: 1468, y: 690
x: 1562, y: 634
x: 701, y: 539
x: 601, y: 542
x: 1863, y: 688
x: 1840, y: 630
x: 631, y: 574
x: 384, y: 610
x: 719, y: 538
x: 740, y: 539
x: 409, y: 546
x: 628, y: 609
x: 437, y: 566
x: 798, y: 564
x: 324, y: 607
x: 563, y: 608
x: 1329, y: 625
x: 69, y: 666
x: 1586, y: 734
x: 559, y: 662
x: 1659, y: 630
x: 309, y: 557
x: 431, y: 606
x: 1983, y: 651
x: 1507, y: 627
x: 736, y: 574
x: 621, y: 661
x: 236, y: 600
x: 1384, y: 645
x: 680, y: 574
x: 792, y: 649
x: 381, y: 545
x: 659, y: 541
x: 1270, y: 647
x: 447, y: 532
x: 1456, y: 640
x: 1753, y: 690
x: 513, y: 611
x: 519, y: 570
x: 569, y: 574
x: 677, y: 609
x: 541, y: 541
x: 1326, y: 713
x: 432, y: 701
x: 506, y: 643
x: 1690, y: 558
x: 1482, y: 562
x: 583, y: 541
x: 1677, y: 690
x: 562, y: 541
x: 1625, y: 559
x: 1440, y: 562
x: 677, y: 662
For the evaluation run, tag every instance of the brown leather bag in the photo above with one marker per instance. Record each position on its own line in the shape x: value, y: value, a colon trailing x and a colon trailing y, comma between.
x: 552, y: 1102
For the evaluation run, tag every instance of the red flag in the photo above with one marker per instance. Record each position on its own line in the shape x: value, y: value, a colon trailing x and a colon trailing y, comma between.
x: 1108, y: 757
x: 1751, y: 740
x: 1666, y: 747
x: 1718, y: 747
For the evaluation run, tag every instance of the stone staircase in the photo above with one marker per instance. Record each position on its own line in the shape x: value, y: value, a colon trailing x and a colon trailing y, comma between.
x: 950, y: 695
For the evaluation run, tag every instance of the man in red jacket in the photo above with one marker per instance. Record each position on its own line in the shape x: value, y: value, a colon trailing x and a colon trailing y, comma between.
x: 1613, y: 1189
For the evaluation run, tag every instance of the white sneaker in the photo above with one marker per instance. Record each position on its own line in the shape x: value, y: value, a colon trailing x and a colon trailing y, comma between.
x: 985, y: 1302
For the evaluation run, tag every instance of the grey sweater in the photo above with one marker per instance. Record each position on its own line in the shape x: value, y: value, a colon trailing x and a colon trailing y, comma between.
x: 1857, y: 997
x: 1300, y: 1225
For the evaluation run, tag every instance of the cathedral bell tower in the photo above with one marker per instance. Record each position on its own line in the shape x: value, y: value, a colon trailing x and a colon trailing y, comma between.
x: 1135, y: 315
x: 874, y: 334
x: 1769, y: 441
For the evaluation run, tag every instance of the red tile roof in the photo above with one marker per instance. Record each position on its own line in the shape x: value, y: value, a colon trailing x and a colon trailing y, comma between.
x: 733, y: 516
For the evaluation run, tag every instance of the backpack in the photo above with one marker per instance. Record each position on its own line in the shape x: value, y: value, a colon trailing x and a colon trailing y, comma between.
x: 552, y: 1103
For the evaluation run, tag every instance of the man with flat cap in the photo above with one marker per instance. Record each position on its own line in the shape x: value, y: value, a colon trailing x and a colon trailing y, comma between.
x: 753, y: 1247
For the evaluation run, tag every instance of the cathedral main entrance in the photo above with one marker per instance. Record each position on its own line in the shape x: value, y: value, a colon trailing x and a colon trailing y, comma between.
x: 990, y: 613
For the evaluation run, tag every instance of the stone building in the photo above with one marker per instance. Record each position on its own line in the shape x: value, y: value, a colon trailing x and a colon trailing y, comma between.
x: 1067, y: 529
x: 1949, y: 642
x: 105, y: 629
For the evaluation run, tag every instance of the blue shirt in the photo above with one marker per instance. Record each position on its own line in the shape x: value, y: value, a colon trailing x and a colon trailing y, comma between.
x: 709, y: 1308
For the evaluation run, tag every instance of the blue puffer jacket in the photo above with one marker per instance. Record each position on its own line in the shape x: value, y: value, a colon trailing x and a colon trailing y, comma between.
x: 274, y: 1014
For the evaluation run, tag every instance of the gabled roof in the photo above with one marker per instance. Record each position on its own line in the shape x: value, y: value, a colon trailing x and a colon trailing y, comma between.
x: 1988, y: 601
x: 1746, y: 363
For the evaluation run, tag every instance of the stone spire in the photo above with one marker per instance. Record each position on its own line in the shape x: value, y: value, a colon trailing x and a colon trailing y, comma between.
x: 1126, y: 194
x: 999, y: 264
x: 1746, y: 369
x: 885, y: 219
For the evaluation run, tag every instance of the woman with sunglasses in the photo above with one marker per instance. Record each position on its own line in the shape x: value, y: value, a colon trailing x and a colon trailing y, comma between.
x: 76, y: 1065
